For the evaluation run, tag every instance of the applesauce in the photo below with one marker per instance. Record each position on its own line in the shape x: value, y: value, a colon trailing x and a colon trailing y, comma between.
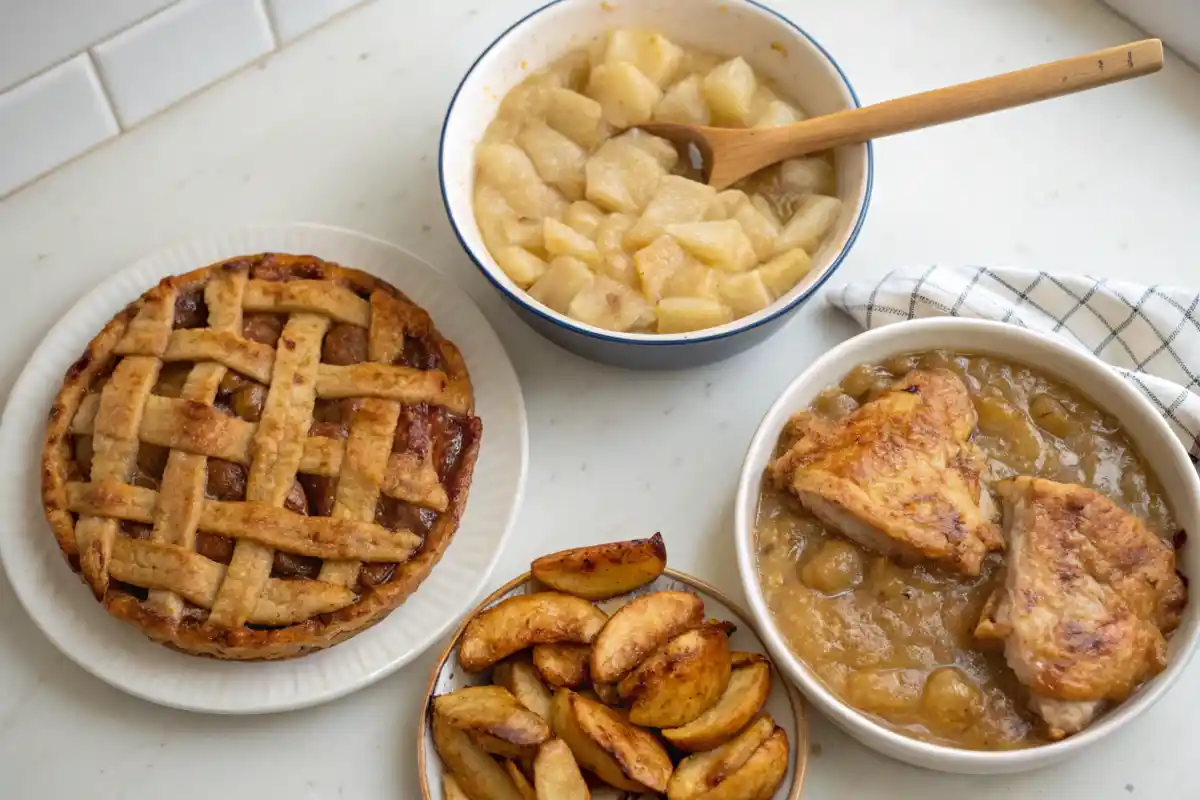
x: 896, y: 642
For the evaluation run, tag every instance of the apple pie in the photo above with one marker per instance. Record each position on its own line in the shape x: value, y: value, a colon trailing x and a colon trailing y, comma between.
x: 260, y: 458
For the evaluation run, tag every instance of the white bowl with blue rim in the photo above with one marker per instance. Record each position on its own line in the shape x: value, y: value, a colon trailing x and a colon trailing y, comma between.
x: 777, y: 47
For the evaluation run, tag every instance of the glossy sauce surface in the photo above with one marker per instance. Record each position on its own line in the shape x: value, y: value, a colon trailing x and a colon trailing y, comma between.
x: 896, y: 642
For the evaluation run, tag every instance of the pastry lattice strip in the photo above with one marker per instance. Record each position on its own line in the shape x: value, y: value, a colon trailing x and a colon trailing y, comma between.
x: 126, y: 413
x: 277, y: 449
x: 370, y: 441
x: 181, y: 502
x: 196, y: 427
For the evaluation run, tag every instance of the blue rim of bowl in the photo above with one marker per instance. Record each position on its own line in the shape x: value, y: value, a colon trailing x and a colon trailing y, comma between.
x: 516, y: 297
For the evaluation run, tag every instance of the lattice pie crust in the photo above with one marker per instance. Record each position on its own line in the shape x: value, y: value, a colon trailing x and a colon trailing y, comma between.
x: 260, y: 458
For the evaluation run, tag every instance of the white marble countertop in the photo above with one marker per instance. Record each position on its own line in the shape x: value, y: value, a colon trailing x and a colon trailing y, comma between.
x: 342, y: 128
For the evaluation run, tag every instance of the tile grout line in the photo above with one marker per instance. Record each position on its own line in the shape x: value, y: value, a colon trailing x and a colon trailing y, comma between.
x: 102, y: 81
x: 121, y: 128
x: 88, y: 48
x: 97, y: 73
x: 277, y: 43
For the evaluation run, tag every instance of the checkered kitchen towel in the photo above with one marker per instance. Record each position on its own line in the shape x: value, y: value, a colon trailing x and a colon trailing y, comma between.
x: 1149, y: 334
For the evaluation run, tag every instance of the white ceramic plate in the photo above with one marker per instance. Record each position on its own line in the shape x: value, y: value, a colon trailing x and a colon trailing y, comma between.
x: 118, y: 653
x: 783, y: 703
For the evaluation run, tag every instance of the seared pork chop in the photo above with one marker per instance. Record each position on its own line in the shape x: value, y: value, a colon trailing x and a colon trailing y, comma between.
x: 1087, y: 597
x: 898, y: 475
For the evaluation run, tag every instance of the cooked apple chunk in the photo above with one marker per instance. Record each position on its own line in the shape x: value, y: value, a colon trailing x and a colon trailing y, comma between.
x: 558, y: 160
x: 813, y: 219
x: 576, y: 116
x: 616, y: 263
x: 730, y: 91
x: 521, y: 265
x: 744, y: 292
x: 683, y: 314
x: 761, y: 230
x: 656, y: 263
x: 724, y: 205
x: 684, y: 103
x: 565, y: 278
x: 584, y: 218
x: 627, y: 96
x: 563, y: 240
x: 721, y: 244
x: 777, y: 113
x: 784, y: 271
x: 606, y: 303
x: 563, y: 281
x: 499, y: 224
x: 663, y: 151
x: 509, y: 169
x: 677, y: 199
x: 693, y: 280
x: 622, y: 177
x: 655, y: 56
x: 806, y: 176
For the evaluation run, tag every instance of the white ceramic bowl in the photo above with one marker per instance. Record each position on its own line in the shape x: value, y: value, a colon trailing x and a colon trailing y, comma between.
x: 773, y: 44
x: 1056, y: 358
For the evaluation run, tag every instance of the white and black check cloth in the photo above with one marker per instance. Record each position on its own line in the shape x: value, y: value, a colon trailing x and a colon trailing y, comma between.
x: 1149, y: 334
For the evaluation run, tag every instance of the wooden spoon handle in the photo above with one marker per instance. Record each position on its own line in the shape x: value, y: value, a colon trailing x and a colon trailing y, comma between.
x: 968, y: 99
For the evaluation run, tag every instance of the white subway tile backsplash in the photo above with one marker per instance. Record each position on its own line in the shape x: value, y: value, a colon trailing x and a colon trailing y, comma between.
x: 178, y: 51
x: 70, y: 69
x: 49, y: 119
x: 294, y: 17
x: 36, y: 34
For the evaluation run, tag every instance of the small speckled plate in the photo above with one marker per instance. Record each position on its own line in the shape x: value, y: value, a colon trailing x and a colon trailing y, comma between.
x: 783, y: 703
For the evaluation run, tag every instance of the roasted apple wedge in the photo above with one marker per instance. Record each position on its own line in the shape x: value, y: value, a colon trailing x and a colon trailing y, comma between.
x: 476, y: 773
x: 523, y: 621
x: 750, y: 767
x: 621, y: 754
x: 494, y: 718
x: 556, y: 775
x: 639, y: 628
x: 520, y: 677
x: 603, y: 570
x: 607, y: 692
x: 562, y: 665
x: 524, y: 787
x: 749, y: 686
x: 681, y: 680
x: 451, y: 790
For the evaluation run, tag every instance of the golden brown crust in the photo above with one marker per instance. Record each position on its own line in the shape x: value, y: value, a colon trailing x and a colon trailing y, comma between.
x: 250, y: 643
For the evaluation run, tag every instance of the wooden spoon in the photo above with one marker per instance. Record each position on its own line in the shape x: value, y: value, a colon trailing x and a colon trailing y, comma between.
x: 731, y: 154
